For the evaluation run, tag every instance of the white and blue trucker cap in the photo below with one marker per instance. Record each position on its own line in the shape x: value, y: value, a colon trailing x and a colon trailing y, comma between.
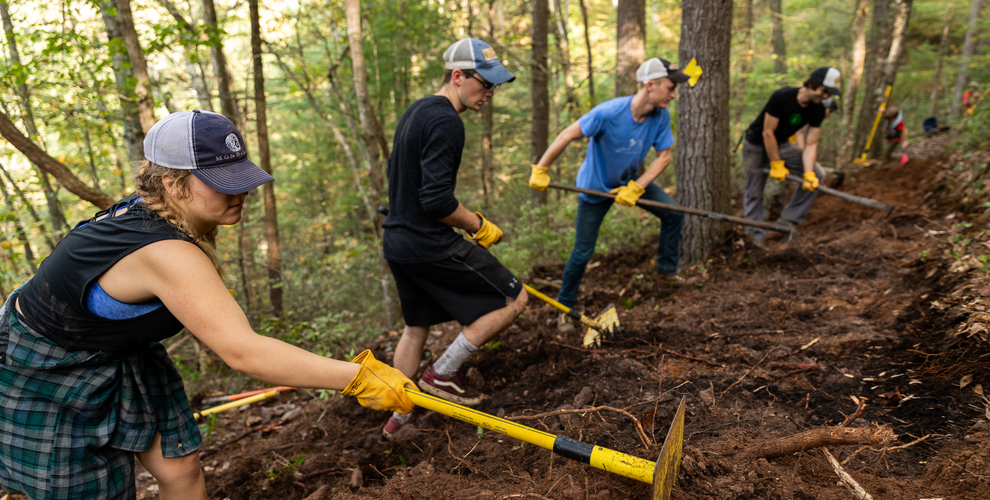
x: 471, y: 53
x: 209, y: 145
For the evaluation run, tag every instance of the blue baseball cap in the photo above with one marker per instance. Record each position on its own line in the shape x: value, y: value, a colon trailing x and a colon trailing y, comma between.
x: 473, y: 54
x: 208, y: 144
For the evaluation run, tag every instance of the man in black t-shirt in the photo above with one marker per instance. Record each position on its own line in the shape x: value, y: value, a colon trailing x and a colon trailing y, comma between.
x: 441, y: 276
x: 788, y: 111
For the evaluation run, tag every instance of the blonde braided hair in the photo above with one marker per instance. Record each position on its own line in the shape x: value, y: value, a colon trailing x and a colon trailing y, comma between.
x: 150, y: 185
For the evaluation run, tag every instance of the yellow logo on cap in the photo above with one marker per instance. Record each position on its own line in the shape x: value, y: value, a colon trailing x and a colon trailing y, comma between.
x: 489, y: 54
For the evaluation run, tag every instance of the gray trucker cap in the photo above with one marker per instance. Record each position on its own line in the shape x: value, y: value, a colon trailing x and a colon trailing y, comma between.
x: 209, y: 145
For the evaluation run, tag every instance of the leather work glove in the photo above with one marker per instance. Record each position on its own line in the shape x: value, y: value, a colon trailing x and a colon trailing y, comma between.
x: 778, y: 170
x: 488, y: 235
x: 539, y: 180
x: 379, y: 386
x: 810, y: 182
x: 628, y: 194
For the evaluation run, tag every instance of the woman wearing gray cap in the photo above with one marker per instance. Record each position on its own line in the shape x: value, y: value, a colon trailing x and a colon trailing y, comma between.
x: 86, y: 386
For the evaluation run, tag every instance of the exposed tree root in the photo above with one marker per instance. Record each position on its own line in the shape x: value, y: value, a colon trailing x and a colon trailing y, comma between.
x: 822, y: 436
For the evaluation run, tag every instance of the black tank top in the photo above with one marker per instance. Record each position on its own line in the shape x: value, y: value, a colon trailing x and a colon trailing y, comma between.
x: 54, y: 300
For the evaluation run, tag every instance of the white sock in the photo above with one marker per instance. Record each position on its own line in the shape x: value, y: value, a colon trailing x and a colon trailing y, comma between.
x: 456, y: 354
x: 403, y: 418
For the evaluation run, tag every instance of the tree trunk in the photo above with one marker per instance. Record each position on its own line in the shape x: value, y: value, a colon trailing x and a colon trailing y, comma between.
x: 139, y: 66
x: 777, y: 38
x: 129, y: 114
x: 62, y: 174
x: 30, y: 208
x: 539, y: 134
x: 563, y: 44
x: 631, y: 44
x: 746, y: 62
x: 18, y: 228
x: 846, y: 151
x: 371, y: 131
x: 901, y: 20
x: 56, y: 214
x: 246, y: 258
x: 374, y: 149
x: 271, y: 216
x: 703, y: 163
x: 877, y: 50
x: 228, y: 105
x: 902, y: 16
x: 196, y: 75
x: 591, y: 66
x: 969, y: 46
x: 942, y: 49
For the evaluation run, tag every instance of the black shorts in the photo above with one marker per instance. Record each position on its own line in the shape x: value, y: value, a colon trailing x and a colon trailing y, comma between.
x: 465, y: 286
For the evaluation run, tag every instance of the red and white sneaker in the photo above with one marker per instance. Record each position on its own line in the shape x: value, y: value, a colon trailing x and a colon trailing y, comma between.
x: 393, y: 426
x: 453, y: 388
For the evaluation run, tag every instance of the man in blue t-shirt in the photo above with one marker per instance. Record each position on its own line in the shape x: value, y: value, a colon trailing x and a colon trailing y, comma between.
x: 621, y: 132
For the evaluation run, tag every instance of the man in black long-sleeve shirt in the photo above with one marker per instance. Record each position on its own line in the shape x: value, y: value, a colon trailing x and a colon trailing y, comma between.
x: 439, y: 275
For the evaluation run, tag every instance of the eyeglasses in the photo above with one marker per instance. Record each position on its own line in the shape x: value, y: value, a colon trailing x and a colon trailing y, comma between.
x: 489, y: 86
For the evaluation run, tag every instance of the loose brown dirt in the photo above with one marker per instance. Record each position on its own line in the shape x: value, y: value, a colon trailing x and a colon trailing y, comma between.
x: 854, y: 298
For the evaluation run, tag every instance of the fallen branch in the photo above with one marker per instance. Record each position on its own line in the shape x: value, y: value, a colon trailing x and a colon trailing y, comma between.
x: 639, y: 427
x: 822, y: 436
x: 175, y: 345
x: 884, y: 450
x: 846, y: 479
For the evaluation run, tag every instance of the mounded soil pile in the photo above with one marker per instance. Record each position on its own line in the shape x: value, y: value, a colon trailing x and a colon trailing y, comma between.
x: 769, y: 343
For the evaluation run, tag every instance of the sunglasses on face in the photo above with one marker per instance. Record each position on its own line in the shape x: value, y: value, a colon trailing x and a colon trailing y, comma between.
x: 489, y: 87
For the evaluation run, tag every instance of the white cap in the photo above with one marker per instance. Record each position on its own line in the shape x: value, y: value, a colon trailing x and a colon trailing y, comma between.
x: 655, y: 68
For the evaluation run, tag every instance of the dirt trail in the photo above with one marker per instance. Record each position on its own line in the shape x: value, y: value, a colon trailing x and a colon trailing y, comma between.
x: 790, y: 334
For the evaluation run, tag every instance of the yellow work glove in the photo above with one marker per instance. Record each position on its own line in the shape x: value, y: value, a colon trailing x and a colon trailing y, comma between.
x: 778, y: 170
x: 539, y: 180
x: 379, y: 386
x: 488, y: 235
x: 628, y: 194
x: 810, y: 182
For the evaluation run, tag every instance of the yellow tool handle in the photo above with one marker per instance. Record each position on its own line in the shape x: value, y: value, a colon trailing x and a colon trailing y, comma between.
x: 235, y: 404
x: 567, y: 310
x: 876, y: 123
x: 596, y: 456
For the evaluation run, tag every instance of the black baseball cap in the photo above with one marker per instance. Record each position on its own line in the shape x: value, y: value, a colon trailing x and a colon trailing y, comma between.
x: 829, y: 77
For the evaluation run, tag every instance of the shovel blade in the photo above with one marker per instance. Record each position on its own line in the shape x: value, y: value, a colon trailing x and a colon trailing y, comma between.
x: 669, y: 461
x: 608, y: 322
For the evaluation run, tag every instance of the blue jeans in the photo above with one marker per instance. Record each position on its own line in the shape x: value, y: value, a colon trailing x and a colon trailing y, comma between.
x: 589, y: 220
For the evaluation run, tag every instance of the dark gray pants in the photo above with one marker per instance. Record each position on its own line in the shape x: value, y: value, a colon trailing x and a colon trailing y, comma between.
x: 754, y: 161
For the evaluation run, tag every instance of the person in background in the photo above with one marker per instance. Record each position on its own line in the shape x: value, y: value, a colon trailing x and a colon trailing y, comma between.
x: 895, y: 131
x: 85, y: 384
x: 774, y: 192
x: 787, y: 111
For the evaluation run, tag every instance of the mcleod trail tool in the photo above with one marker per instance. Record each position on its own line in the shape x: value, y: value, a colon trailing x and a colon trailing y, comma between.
x: 606, y: 322
x: 869, y: 202
x: 862, y: 159
x: 235, y: 404
x: 661, y: 474
x: 234, y: 397
x: 780, y: 228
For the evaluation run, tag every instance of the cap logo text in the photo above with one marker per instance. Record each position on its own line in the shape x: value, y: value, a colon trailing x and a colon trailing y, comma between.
x: 489, y: 54
x: 232, y: 142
